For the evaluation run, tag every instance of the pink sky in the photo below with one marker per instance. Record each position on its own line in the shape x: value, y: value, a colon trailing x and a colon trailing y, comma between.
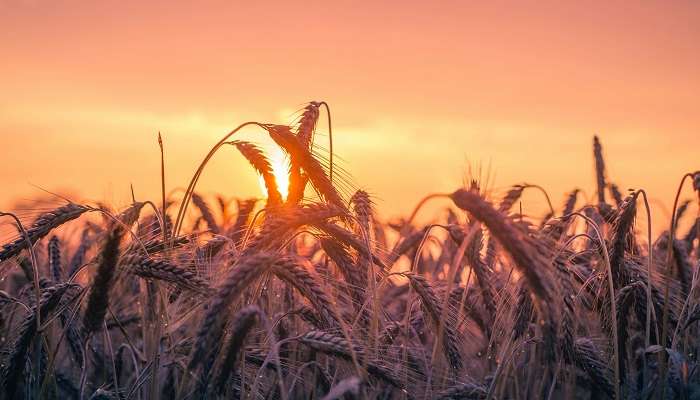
x: 418, y: 91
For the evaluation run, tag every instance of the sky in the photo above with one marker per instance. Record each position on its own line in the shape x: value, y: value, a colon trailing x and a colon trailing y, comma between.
x: 420, y: 93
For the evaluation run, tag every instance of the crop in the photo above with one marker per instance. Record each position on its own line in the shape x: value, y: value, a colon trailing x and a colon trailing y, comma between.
x: 309, y: 294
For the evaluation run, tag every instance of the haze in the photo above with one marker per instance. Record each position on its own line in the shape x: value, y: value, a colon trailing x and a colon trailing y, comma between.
x: 419, y: 92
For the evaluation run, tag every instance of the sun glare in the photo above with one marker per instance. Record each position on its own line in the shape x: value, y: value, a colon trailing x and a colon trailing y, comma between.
x: 279, y: 161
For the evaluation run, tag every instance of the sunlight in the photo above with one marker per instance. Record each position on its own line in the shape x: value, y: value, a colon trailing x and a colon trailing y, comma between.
x: 280, y: 168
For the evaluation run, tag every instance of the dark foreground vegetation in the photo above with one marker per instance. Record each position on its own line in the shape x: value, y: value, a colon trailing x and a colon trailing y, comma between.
x: 315, y: 297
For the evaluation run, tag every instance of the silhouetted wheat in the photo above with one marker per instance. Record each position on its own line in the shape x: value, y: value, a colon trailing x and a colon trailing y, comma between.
x: 318, y: 296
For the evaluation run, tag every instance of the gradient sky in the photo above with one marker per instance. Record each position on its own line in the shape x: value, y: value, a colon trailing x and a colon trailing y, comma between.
x: 419, y: 92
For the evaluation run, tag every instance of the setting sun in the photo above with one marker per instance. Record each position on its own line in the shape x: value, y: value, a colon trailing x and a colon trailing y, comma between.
x: 279, y: 161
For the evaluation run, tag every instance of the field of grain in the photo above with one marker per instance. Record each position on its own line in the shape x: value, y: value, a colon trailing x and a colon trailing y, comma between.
x: 309, y: 294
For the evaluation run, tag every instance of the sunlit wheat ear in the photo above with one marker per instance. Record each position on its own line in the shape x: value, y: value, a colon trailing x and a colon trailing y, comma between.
x: 529, y: 258
x: 212, y: 247
x: 19, y: 352
x: 304, y: 135
x: 207, y: 215
x: 621, y: 239
x: 599, y: 169
x: 149, y: 268
x: 98, y: 299
x: 223, y: 204
x: 242, y: 274
x: 615, y: 193
x: 41, y: 227
x: 570, y: 203
x: 682, y: 209
x: 511, y: 197
x: 131, y: 214
x: 362, y: 206
x: 283, y: 136
x: 262, y: 166
x: 307, y: 124
x: 243, y: 322
x: 518, y: 246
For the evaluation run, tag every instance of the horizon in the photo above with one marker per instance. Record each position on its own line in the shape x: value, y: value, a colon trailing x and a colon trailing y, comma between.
x: 512, y: 89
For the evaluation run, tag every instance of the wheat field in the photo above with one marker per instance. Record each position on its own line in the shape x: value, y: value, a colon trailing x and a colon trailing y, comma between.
x: 307, y: 293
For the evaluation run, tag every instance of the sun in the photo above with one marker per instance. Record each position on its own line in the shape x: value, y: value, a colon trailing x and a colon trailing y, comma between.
x: 279, y: 161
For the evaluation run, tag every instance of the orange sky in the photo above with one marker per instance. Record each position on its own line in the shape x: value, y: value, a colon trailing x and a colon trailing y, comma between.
x: 418, y: 91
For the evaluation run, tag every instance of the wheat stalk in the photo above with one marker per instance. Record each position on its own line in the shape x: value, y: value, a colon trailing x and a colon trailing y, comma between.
x: 42, y: 227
